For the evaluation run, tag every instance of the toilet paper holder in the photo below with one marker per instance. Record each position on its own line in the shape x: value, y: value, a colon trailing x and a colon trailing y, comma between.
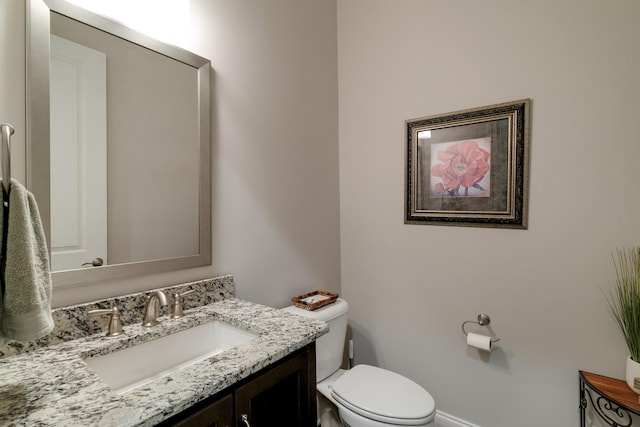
x: 483, y: 320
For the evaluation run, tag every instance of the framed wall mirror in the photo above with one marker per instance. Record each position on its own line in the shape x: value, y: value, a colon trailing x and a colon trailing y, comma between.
x: 118, y: 146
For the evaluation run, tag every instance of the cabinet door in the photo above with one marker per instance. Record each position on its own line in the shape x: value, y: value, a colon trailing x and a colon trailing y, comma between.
x: 216, y: 414
x: 284, y: 396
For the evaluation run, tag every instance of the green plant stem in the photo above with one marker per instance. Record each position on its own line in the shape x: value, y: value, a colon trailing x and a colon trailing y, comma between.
x: 624, y: 298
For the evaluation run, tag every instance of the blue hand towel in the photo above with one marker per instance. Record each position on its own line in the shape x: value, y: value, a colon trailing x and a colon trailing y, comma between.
x: 25, y: 309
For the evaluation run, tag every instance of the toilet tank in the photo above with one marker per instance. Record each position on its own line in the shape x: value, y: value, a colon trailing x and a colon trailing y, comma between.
x: 330, y: 346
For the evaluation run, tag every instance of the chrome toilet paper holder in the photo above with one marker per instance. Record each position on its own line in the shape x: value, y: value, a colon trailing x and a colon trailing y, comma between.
x: 483, y: 320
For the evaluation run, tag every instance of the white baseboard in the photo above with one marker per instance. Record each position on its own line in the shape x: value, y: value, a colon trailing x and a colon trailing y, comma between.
x: 445, y: 420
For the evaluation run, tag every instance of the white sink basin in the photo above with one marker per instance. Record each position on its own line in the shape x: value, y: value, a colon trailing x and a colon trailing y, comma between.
x: 132, y: 367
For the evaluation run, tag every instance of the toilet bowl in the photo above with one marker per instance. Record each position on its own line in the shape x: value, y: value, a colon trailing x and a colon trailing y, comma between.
x: 365, y: 396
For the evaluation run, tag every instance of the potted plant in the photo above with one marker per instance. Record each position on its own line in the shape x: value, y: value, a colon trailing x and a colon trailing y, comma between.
x: 624, y: 302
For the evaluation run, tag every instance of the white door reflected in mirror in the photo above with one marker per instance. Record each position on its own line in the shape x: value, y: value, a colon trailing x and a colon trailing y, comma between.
x: 78, y: 154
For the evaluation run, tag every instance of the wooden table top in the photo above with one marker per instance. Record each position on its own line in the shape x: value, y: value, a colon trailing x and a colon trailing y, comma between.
x: 616, y: 390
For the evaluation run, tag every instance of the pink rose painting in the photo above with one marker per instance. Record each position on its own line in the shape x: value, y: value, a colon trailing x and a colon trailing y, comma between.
x: 459, y: 164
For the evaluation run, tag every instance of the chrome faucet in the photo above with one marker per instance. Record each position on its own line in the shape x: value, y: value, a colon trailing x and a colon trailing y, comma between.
x: 155, y: 299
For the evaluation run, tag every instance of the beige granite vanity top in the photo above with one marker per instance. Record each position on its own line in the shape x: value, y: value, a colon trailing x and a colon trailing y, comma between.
x: 53, y: 386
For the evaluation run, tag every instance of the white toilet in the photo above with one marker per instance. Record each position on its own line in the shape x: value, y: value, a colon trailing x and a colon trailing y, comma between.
x: 366, y: 396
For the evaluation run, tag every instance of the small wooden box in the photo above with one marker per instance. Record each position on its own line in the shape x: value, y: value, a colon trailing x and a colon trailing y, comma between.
x: 314, y: 300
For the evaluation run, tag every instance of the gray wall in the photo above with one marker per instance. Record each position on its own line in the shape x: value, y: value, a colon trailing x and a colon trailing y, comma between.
x: 411, y: 286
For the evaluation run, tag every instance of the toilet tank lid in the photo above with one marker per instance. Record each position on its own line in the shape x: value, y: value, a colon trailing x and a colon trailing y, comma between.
x: 326, y: 313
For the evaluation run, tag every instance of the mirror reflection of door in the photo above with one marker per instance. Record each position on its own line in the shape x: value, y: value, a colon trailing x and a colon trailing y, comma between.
x: 78, y: 155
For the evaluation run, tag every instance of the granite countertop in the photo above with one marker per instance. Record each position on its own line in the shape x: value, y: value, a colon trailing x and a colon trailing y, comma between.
x: 53, y: 386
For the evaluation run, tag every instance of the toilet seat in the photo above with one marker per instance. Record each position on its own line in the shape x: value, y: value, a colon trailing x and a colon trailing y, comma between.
x: 384, y: 396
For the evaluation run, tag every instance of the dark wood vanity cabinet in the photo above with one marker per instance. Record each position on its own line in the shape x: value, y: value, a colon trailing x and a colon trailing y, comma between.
x: 282, y: 394
x: 215, y: 414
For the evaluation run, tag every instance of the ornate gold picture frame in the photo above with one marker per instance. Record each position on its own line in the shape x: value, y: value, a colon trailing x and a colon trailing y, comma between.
x: 470, y: 167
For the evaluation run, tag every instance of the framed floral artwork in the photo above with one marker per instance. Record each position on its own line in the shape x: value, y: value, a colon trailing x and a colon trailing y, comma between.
x: 469, y: 168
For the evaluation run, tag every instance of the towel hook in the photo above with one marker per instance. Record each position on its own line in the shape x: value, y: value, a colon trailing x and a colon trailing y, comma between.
x: 483, y: 320
x: 7, y: 130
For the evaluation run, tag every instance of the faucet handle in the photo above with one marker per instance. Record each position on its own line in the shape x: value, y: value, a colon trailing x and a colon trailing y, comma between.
x: 115, y: 324
x: 177, y: 303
